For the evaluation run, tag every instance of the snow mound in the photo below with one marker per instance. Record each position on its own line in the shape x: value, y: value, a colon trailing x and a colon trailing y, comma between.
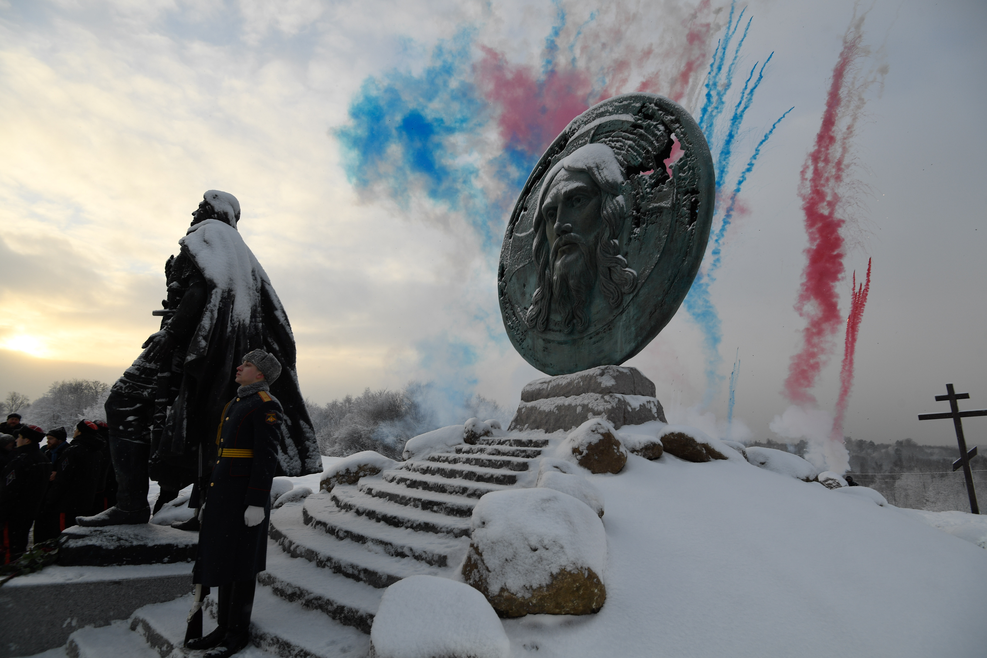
x: 563, y: 477
x: 440, y: 440
x: 279, y: 487
x: 428, y: 616
x: 831, y: 480
x: 525, y: 536
x: 783, y: 463
x: 866, y: 493
x: 295, y: 495
x: 963, y: 525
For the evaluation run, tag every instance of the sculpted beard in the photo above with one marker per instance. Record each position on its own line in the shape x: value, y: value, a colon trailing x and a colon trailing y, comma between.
x: 573, y: 275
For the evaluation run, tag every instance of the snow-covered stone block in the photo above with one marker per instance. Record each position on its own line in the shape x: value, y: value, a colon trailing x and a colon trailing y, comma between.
x: 621, y: 395
x: 561, y: 476
x: 537, y: 551
x: 594, y: 446
x: 784, y: 463
x: 350, y: 469
x: 432, y: 617
x: 690, y: 444
x: 444, y: 439
x: 279, y: 487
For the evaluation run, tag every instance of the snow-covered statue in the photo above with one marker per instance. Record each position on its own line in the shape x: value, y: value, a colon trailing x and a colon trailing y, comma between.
x: 607, y: 235
x: 164, y: 411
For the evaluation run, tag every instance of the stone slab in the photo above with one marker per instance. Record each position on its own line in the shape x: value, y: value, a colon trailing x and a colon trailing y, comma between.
x: 39, y: 611
x: 566, y: 413
x: 145, y: 543
x: 602, y: 380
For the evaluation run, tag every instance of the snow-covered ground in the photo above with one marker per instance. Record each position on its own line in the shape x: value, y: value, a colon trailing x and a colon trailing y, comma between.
x: 728, y: 559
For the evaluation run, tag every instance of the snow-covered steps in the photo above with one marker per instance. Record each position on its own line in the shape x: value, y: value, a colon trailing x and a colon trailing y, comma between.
x: 347, y: 558
x: 299, y: 581
x: 353, y: 499
x: 499, y: 450
x: 440, y: 503
x: 114, y: 640
x: 486, y: 461
x: 462, y: 472
x: 440, y: 484
x: 319, y: 511
x: 518, y: 443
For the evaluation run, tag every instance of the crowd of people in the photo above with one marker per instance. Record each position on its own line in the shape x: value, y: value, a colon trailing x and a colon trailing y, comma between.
x: 48, y: 487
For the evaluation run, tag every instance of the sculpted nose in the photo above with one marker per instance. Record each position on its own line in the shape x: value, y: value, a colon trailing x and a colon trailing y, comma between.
x: 562, y: 228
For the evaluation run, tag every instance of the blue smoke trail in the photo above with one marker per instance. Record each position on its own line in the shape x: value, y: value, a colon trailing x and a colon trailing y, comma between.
x: 404, y: 132
x: 733, y: 391
x: 551, y: 41
x: 719, y: 81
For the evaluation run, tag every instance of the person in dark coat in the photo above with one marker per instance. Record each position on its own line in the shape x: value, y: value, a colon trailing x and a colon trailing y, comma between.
x: 22, y: 488
x: 12, y: 425
x: 237, y: 505
x: 74, y: 480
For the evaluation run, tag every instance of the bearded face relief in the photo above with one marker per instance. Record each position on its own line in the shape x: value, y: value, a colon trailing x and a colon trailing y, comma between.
x: 580, y: 213
x: 607, y: 235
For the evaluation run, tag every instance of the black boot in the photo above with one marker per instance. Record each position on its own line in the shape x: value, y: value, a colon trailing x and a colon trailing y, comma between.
x: 222, y: 618
x: 238, y: 632
x: 130, y: 464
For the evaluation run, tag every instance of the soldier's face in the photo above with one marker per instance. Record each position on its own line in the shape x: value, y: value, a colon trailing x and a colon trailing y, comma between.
x: 247, y: 373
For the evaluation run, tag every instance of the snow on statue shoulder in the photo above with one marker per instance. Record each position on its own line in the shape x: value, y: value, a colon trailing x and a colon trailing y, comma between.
x: 607, y: 235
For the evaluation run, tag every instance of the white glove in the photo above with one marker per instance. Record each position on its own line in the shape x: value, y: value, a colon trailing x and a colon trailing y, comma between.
x: 253, y: 515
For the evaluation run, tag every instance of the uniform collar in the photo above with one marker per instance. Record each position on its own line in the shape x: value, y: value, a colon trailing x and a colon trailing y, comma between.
x: 250, y: 389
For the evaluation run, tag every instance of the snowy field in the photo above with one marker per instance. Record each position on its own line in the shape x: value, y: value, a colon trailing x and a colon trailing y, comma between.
x: 727, y: 559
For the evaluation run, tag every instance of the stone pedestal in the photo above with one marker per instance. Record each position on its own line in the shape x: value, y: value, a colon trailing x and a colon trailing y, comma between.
x: 622, y: 396
x: 144, y: 543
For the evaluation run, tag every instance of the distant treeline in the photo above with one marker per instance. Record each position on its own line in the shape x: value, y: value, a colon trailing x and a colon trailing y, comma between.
x: 908, y: 474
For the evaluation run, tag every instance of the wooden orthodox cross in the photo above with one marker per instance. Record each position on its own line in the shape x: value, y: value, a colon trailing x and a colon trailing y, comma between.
x: 965, y: 456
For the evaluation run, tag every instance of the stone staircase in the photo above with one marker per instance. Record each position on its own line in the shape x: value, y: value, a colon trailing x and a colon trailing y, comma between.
x: 336, y: 552
x: 331, y: 556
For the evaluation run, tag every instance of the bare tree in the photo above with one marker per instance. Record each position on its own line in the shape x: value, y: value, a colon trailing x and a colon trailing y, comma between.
x: 67, y: 402
x: 14, y: 402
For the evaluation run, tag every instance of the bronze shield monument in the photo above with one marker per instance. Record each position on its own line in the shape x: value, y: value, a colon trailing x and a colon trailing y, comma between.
x: 607, y: 235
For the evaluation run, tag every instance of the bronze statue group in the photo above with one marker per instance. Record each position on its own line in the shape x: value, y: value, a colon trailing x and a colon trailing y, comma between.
x: 212, y: 401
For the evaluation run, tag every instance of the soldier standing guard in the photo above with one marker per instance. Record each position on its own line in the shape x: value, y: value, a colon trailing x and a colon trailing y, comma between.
x: 237, y: 504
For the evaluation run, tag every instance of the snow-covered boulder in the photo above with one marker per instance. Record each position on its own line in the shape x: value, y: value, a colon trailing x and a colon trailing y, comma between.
x: 783, y: 463
x: 643, y: 445
x: 537, y: 551
x: 474, y: 429
x: 444, y: 439
x: 594, y: 446
x: 831, y: 480
x: 865, y: 493
x: 296, y: 495
x: 564, y: 477
x: 690, y: 444
x: 432, y: 617
x: 350, y: 469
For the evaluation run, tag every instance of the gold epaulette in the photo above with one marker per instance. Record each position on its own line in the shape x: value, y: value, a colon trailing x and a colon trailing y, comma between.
x: 264, y: 396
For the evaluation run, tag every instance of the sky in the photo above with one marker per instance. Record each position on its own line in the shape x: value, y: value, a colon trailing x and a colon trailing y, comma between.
x: 376, y: 150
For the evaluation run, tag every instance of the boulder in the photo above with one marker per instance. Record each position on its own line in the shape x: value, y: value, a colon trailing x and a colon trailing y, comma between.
x: 642, y: 445
x: 474, y: 429
x: 354, y: 467
x: 537, y: 551
x: 684, y: 446
x: 595, y: 447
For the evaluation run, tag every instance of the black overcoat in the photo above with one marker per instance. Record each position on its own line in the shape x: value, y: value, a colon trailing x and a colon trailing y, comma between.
x: 247, y: 459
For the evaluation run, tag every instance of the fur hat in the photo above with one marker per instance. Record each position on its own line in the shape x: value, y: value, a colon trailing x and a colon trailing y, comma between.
x: 266, y: 363
x: 14, y: 415
x: 32, y: 433
x: 58, y: 433
x: 86, y: 426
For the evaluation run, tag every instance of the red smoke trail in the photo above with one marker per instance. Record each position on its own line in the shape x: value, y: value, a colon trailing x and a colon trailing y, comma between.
x: 858, y: 300
x: 823, y: 188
